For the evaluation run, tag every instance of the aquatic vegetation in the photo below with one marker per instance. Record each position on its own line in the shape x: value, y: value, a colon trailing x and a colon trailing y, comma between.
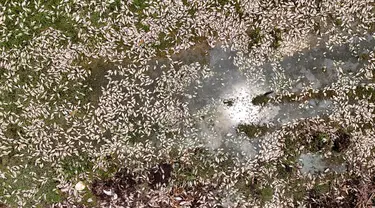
x: 252, y: 130
x: 186, y: 103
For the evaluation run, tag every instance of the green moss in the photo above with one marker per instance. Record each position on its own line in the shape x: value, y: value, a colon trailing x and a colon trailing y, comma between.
x: 28, y: 76
x: 321, y: 95
x: 319, y: 141
x: 192, y: 12
x: 234, y: 3
x: 198, y: 39
x: 266, y: 193
x: 92, y: 85
x: 138, y: 137
x: 276, y: 34
x: 34, y: 22
x: 52, y: 4
x: 223, y: 2
x: 363, y: 93
x: 238, y: 9
x: 253, y: 187
x: 322, y: 188
x: 13, y: 130
x: 197, y: 169
x: 171, y: 134
x: 321, y: 136
x: 114, y: 165
x: 252, y: 130
x: 140, y: 26
x: 338, y: 22
x: 201, y: 167
x: 53, y: 195
x: 186, y: 174
x: 138, y: 6
x: 204, y: 171
x: 286, y: 169
x: 9, y: 98
x: 310, y: 94
x: 165, y: 41
x: 296, y: 189
x: 335, y: 159
x: 312, y: 141
x: 174, y: 153
x: 243, y: 186
x: 95, y: 17
x: 291, y: 149
x: 115, y: 6
x: 88, y: 195
x: 46, y: 193
x: 287, y: 98
x: 254, y: 36
x: 75, y: 165
x: 260, y: 100
x: 67, y: 26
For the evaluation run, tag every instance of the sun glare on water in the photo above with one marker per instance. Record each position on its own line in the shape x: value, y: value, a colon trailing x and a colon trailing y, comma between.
x: 242, y: 110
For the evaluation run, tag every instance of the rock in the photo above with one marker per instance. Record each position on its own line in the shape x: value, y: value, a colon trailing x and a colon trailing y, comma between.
x: 80, y: 186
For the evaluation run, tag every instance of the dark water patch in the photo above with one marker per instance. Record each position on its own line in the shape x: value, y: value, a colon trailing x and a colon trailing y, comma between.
x: 160, y: 175
x: 122, y: 183
x: 97, y: 79
x: 342, y: 142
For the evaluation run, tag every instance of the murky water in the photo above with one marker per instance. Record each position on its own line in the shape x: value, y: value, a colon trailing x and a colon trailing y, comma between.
x: 222, y: 100
x: 314, y: 163
x: 217, y: 95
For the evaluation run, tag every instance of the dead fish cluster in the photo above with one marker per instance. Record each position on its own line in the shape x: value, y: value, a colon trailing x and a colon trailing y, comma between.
x: 83, y: 82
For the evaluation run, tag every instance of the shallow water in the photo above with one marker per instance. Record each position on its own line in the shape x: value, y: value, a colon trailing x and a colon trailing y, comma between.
x: 222, y: 100
x: 314, y: 163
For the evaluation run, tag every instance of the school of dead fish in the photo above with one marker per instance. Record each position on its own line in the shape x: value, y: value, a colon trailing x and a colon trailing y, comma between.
x: 55, y: 120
